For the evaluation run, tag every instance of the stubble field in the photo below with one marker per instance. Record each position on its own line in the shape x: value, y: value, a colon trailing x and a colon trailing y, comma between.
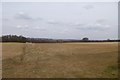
x: 59, y: 60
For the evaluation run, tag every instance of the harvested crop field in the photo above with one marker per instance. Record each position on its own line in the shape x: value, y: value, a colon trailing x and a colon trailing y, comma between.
x: 60, y: 60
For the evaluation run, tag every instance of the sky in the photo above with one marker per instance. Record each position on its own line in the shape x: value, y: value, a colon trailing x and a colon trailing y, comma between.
x: 59, y: 0
x: 61, y: 20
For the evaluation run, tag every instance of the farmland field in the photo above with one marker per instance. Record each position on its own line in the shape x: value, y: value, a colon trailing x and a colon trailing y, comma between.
x: 60, y: 60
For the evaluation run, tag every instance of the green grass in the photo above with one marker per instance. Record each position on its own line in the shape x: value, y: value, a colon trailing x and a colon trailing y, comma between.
x: 111, y: 70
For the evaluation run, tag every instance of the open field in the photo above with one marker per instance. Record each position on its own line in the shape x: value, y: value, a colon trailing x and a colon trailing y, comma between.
x: 69, y: 60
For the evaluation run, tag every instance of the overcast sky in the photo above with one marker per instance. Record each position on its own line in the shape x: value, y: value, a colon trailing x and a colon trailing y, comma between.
x: 75, y: 20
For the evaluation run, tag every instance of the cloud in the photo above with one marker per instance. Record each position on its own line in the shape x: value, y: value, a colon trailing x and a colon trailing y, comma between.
x: 5, y: 19
x: 39, y: 18
x: 88, y: 7
x: 78, y: 24
x: 23, y: 16
x: 96, y: 26
x: 38, y: 28
x: 60, y: 23
x: 22, y: 26
x: 19, y: 26
x: 101, y: 21
x: 25, y: 27
x: 54, y: 22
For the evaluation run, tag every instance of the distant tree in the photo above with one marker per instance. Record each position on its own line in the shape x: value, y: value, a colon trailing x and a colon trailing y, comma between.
x: 85, y: 39
x: 13, y: 38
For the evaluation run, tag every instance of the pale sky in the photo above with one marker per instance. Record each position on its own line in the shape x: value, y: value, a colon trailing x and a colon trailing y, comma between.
x: 75, y: 20
x: 59, y: 0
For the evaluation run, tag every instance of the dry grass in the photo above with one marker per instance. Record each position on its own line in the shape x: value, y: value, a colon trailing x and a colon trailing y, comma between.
x: 73, y: 60
x: 0, y: 61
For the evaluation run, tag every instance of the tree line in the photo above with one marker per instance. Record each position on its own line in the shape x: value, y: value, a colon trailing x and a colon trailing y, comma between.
x: 22, y: 39
x: 13, y: 38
